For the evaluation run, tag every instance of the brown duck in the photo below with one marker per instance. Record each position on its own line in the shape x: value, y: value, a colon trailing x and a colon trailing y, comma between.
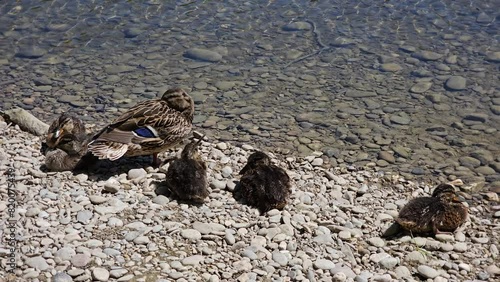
x: 187, y: 176
x: 148, y: 128
x: 65, y: 144
x: 443, y: 212
x: 263, y: 185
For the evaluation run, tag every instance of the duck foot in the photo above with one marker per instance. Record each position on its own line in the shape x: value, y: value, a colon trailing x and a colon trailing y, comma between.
x: 156, y: 161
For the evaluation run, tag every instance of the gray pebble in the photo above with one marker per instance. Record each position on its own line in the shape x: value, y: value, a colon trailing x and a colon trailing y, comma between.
x: 38, y: 263
x: 100, y: 274
x: 191, y: 234
x: 456, y: 83
x: 117, y: 273
x: 280, y: 258
x: 136, y: 173
x: 203, y: 55
x: 324, y: 264
x: 62, y: 277
x: 427, y: 272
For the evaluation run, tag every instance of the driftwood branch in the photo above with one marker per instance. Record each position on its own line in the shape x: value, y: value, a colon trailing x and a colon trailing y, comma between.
x: 25, y: 121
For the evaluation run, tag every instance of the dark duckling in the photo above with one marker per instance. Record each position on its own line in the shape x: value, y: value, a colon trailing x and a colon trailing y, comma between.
x: 66, y: 144
x: 443, y: 212
x: 263, y: 185
x: 187, y: 176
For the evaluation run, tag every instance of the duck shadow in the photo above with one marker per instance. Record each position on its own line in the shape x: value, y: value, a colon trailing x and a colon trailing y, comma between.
x: 395, y: 231
x: 102, y: 170
x: 163, y: 189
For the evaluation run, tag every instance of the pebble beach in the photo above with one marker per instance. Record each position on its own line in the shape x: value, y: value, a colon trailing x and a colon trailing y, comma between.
x: 116, y: 223
x: 367, y: 105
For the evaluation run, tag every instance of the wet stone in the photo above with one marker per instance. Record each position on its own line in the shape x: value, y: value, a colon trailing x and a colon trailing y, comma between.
x: 132, y: 32
x: 456, y: 83
x: 297, y: 26
x: 477, y: 117
x: 493, y: 56
x: 31, y: 52
x: 427, y: 56
x: 390, y: 67
x: 203, y: 55
x: 400, y: 120
x: 421, y: 87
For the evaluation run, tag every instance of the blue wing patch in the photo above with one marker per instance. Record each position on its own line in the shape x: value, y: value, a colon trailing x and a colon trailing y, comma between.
x: 145, y: 132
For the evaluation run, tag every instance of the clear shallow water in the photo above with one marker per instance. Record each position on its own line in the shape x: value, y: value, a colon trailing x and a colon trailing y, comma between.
x: 103, y: 56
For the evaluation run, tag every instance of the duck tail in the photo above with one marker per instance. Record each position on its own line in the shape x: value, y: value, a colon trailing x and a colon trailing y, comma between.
x: 107, y: 150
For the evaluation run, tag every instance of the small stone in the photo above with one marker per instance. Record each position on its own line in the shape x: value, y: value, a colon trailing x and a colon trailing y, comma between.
x: 80, y: 260
x: 493, y: 56
x: 389, y: 262
x: 65, y: 253
x: 456, y: 83
x: 324, y: 264
x: 203, y: 55
x: 221, y: 146
x: 416, y: 256
x: 100, y: 274
x: 377, y: 242
x: 117, y: 273
x: 317, y: 162
x: 209, y: 228
x: 62, y: 277
x: 136, y: 173
x: 445, y: 237
x: 402, y: 120
x: 84, y: 216
x: 161, y: 200
x: 297, y: 26
x: 280, y: 258
x: 31, y: 52
x: 427, y: 56
x: 112, y: 186
x: 387, y: 156
x: 421, y: 87
x: 37, y: 263
x: 402, y: 272
x: 427, y: 272
x: 460, y: 247
x: 96, y: 199
x: 390, y: 67
x: 192, y: 260
x: 191, y: 234
x: 132, y: 32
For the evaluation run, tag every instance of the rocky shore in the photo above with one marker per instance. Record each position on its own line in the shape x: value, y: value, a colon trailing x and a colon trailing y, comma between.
x: 115, y: 223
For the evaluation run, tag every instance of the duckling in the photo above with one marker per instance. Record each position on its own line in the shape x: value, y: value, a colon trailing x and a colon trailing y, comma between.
x: 263, y: 185
x: 443, y: 212
x: 187, y: 176
x: 148, y: 128
x: 65, y: 144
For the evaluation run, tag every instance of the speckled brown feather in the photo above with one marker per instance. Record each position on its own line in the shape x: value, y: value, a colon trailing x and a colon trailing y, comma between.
x: 171, y: 117
x: 439, y: 213
x: 65, y: 128
x: 187, y: 177
x: 66, y: 144
x: 264, y: 185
